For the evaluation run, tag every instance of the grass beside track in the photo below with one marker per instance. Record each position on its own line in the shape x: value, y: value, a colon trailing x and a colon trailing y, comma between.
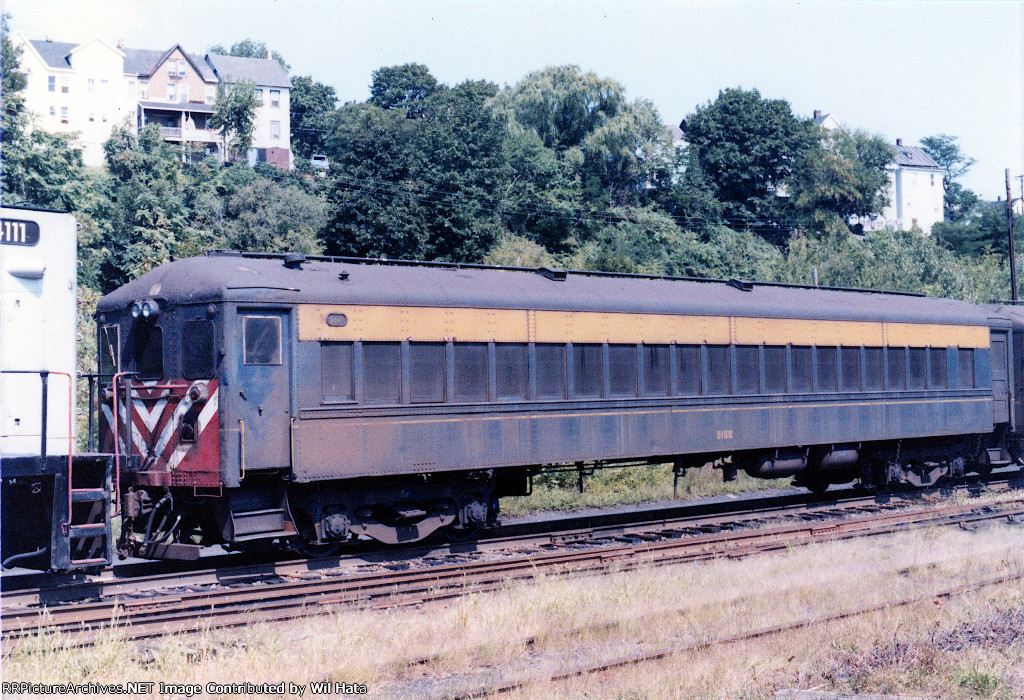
x: 967, y: 647
x: 558, y: 491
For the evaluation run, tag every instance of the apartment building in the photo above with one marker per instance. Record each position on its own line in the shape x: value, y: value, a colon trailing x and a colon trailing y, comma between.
x: 91, y: 87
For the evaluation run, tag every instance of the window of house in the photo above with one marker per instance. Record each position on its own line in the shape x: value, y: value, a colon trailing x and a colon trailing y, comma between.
x: 800, y: 367
x: 427, y: 372
x: 51, y: 83
x: 622, y: 376
x: 550, y: 371
x: 92, y: 85
x: 336, y: 372
x: 828, y: 368
x: 512, y: 370
x: 275, y: 130
x: 719, y: 369
x: 53, y: 111
x: 64, y: 85
x: 92, y: 116
x: 965, y: 361
x: 775, y: 369
x: 382, y: 373
x: 688, y: 370
x: 259, y: 96
x: 181, y: 68
x: 144, y: 89
x: 63, y: 115
x: 470, y: 371
x: 210, y: 94
x: 172, y: 92
x: 937, y: 368
x: 275, y: 98
x: 261, y: 338
x: 131, y: 88
x: 183, y: 93
x: 588, y: 369
x: 104, y: 86
x: 656, y: 368
x: 918, y: 376
x: 105, y: 118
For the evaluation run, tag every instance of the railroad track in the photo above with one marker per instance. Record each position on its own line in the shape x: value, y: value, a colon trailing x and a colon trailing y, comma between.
x: 290, y: 597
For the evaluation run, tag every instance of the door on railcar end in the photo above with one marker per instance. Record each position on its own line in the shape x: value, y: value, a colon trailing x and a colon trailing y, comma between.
x: 1001, y: 363
x: 262, y: 391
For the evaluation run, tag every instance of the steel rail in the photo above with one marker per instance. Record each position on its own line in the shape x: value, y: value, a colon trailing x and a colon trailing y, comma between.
x: 190, y: 611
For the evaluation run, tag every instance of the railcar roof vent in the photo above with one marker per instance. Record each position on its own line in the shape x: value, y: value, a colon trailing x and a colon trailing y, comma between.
x: 293, y: 261
x: 741, y: 285
x: 555, y: 275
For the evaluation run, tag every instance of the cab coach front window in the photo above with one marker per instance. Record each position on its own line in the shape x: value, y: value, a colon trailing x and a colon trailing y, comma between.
x: 149, y: 351
x: 262, y: 338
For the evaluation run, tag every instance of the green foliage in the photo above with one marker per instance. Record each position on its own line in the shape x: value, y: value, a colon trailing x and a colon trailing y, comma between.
x: 845, y: 177
x: 959, y: 203
x: 311, y: 108
x: 249, y: 48
x: 422, y: 188
x: 749, y: 147
x: 234, y: 116
x: 404, y: 87
x: 983, y: 232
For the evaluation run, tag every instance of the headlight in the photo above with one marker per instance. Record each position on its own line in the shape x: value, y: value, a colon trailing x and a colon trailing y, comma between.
x: 136, y: 310
x: 150, y: 309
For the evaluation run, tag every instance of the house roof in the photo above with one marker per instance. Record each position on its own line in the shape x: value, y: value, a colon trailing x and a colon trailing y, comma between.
x: 54, y: 53
x: 263, y: 71
x: 914, y: 157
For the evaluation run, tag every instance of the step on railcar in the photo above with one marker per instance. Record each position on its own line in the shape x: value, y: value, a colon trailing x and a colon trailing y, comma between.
x: 263, y: 398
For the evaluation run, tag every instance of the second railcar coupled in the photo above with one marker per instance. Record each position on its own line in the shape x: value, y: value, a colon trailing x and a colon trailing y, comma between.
x: 262, y: 397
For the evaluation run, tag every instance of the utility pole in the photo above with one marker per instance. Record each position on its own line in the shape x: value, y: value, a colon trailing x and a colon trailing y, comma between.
x: 1009, y: 231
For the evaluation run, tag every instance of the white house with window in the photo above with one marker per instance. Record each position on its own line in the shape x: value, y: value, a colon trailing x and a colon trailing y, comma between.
x: 916, y: 193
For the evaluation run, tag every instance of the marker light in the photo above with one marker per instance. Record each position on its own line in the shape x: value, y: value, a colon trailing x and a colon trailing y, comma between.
x: 150, y: 309
x: 136, y: 310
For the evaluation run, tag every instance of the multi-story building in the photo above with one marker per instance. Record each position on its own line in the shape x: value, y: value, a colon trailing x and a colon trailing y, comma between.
x: 916, y: 193
x: 89, y: 88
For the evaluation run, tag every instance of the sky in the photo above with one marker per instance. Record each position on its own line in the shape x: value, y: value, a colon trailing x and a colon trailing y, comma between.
x: 895, y: 68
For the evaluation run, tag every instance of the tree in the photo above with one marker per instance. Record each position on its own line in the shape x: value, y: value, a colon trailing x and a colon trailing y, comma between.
x: 748, y: 147
x: 427, y: 187
x: 144, y: 206
x: 250, y: 48
x: 234, y: 116
x: 311, y: 106
x: 403, y: 87
x: 958, y: 202
x: 846, y: 177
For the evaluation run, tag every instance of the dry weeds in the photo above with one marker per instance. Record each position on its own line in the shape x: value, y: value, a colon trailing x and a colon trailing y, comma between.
x: 962, y: 648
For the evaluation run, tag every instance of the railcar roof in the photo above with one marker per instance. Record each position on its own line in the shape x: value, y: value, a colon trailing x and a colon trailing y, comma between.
x: 268, y: 279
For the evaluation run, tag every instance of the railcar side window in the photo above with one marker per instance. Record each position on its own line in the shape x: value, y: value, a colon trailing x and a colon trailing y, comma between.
x: 197, y: 349
x: 512, y: 370
x: 149, y: 351
x: 427, y: 372
x: 872, y: 368
x: 588, y: 370
x: 336, y: 372
x: 801, y: 367
x: 550, y: 371
x: 897, y: 358
x: 382, y: 373
x: 775, y: 368
x: 918, y: 377
x: 688, y: 370
x: 262, y: 338
x: 747, y: 369
x: 655, y: 362
x: 828, y: 369
x: 719, y: 369
x: 965, y: 360
x: 622, y: 376
x: 850, y: 369
x: 937, y: 368
x: 470, y: 371
x: 110, y: 349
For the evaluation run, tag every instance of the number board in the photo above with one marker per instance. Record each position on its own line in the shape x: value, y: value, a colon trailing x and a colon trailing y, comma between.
x: 17, y: 232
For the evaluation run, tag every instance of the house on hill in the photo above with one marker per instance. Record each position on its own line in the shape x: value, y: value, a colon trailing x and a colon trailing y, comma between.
x: 89, y: 88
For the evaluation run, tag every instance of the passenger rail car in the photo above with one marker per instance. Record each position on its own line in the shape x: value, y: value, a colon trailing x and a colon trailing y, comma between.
x: 262, y: 397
